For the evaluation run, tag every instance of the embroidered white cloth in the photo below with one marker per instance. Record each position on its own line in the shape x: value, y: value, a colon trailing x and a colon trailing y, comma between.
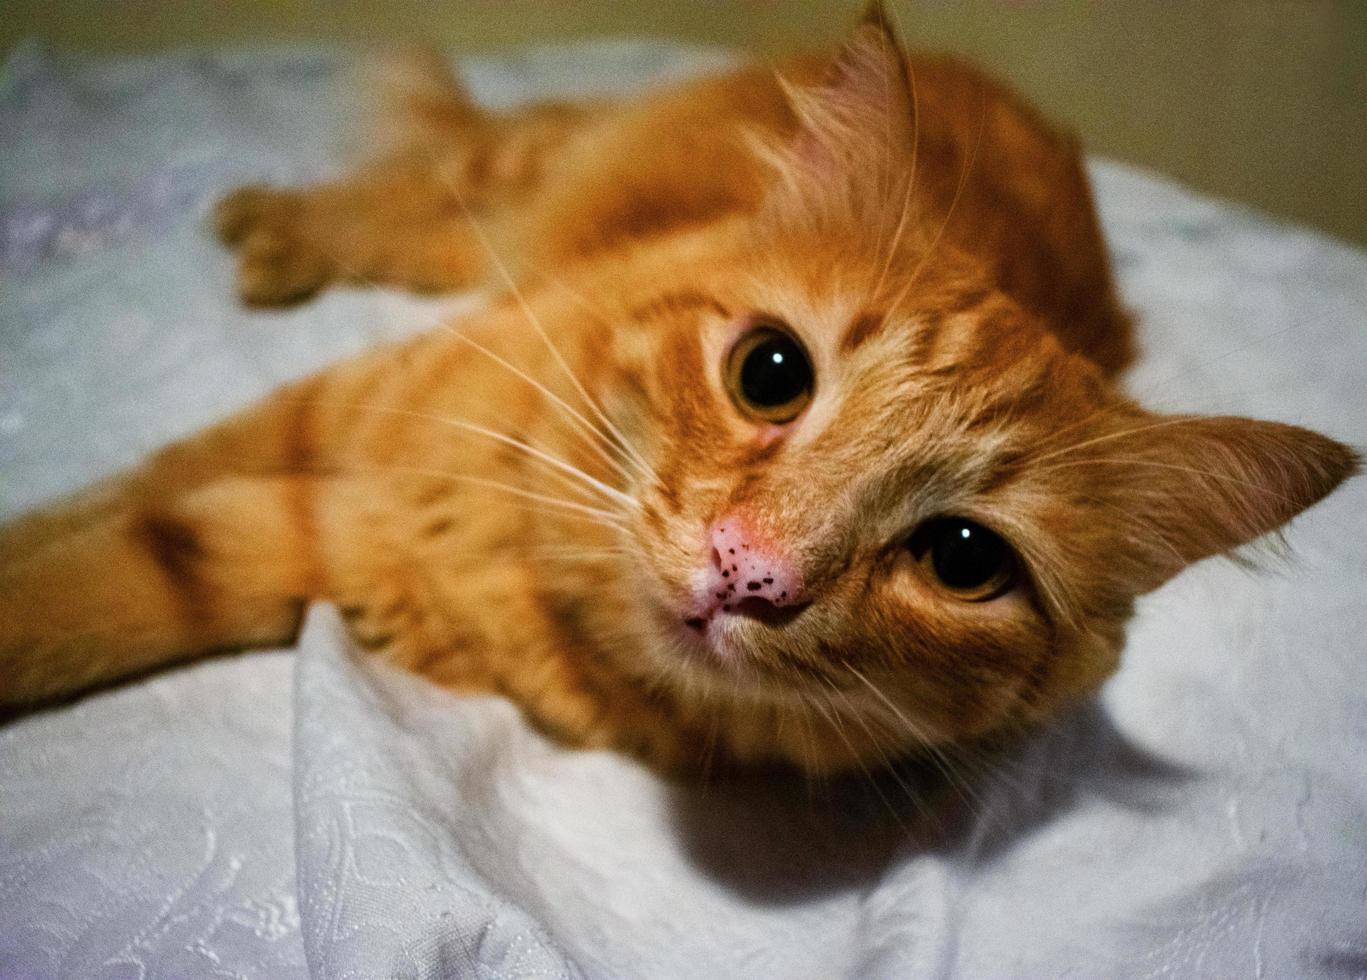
x: 277, y: 815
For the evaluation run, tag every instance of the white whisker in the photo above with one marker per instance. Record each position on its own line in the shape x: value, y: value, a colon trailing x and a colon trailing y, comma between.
x: 954, y: 202
x: 620, y: 440
x: 937, y: 756
x: 581, y: 426
x: 832, y: 718
x: 612, y: 493
x: 910, y: 191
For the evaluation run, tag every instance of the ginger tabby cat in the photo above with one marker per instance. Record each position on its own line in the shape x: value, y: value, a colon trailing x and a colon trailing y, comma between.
x: 798, y: 441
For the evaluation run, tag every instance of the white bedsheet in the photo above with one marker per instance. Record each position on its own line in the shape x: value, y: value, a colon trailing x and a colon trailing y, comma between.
x: 277, y: 815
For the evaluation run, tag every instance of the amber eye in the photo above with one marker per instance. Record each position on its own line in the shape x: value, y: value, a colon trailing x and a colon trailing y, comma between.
x: 769, y: 375
x: 964, y: 558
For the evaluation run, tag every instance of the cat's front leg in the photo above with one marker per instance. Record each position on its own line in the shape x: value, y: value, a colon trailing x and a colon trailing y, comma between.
x: 398, y: 226
x: 280, y: 261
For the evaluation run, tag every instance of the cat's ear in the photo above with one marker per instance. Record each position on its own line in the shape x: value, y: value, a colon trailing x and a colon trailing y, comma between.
x: 876, y: 15
x: 851, y: 149
x: 1190, y: 487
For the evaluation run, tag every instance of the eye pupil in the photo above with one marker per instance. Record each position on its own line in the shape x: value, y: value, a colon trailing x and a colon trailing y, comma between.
x: 770, y: 375
x: 775, y: 372
x: 966, y: 558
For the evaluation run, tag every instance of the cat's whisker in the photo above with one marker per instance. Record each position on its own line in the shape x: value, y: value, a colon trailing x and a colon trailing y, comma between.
x: 606, y: 518
x: 559, y: 508
x: 889, y: 763
x: 580, y: 300
x: 572, y: 549
x: 935, y: 754
x: 1192, y: 470
x: 1144, y: 394
x: 573, y: 487
x: 953, y: 203
x: 1107, y: 437
x: 516, y: 292
x: 999, y: 767
x: 568, y: 469
x: 587, y: 306
x: 910, y: 191
x: 555, y: 462
x: 571, y: 509
x: 832, y: 717
x: 581, y: 426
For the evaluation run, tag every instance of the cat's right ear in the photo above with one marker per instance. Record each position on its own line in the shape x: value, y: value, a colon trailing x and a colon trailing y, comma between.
x: 849, y: 155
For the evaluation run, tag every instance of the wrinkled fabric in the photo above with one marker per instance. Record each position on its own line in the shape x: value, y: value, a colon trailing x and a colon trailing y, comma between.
x: 276, y: 815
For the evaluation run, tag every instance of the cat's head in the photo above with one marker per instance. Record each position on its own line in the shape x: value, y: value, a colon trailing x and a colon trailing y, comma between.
x: 880, y: 485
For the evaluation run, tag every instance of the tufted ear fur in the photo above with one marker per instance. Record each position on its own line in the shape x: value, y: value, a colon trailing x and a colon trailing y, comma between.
x: 1192, y: 486
x: 851, y: 152
x: 876, y: 15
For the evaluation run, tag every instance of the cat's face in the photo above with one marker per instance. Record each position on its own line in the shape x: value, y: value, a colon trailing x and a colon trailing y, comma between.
x: 911, y: 505
x: 844, y: 499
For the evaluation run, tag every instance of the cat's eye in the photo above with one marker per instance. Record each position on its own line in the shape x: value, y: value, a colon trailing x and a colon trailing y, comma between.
x: 769, y: 375
x: 965, y: 559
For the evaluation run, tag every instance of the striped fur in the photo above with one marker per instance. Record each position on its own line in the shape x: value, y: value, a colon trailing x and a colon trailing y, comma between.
x: 502, y: 510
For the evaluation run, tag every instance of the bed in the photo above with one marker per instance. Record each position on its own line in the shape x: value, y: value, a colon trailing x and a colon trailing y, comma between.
x: 307, y: 813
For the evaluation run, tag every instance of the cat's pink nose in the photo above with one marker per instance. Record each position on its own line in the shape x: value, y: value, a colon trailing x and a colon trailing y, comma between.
x: 745, y: 565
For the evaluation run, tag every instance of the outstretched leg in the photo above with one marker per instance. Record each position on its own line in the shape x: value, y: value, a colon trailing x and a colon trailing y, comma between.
x: 143, y: 585
x: 210, y: 545
x: 405, y: 220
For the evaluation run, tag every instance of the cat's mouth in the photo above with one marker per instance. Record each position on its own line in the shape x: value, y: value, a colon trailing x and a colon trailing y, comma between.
x: 756, y: 610
x: 730, y: 634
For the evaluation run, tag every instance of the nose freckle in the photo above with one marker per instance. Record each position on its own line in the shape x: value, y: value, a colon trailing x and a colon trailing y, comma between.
x: 740, y: 556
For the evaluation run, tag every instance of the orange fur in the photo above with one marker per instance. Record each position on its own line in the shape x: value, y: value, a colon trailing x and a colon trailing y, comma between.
x: 502, y: 510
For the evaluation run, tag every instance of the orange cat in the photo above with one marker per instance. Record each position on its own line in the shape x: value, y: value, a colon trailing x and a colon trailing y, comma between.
x: 797, y: 443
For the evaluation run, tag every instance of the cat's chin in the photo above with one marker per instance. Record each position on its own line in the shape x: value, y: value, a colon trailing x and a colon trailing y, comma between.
x: 722, y: 638
x: 721, y: 649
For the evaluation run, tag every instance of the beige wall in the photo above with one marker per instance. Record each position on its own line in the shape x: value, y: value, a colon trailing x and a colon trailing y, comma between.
x: 1260, y: 100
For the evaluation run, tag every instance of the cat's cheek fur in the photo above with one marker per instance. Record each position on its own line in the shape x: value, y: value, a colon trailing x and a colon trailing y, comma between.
x: 960, y: 670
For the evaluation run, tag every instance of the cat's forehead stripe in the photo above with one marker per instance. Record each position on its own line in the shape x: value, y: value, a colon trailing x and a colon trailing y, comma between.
x: 680, y: 301
x: 861, y: 328
x: 868, y: 324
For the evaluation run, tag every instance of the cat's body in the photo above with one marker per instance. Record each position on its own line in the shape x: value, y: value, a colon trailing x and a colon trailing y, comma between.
x: 554, y: 515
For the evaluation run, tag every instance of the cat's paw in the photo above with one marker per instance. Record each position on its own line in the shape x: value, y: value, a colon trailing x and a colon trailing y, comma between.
x: 277, y: 264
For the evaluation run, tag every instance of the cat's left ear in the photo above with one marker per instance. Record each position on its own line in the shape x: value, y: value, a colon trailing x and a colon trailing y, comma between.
x: 1188, y: 487
x: 852, y: 147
